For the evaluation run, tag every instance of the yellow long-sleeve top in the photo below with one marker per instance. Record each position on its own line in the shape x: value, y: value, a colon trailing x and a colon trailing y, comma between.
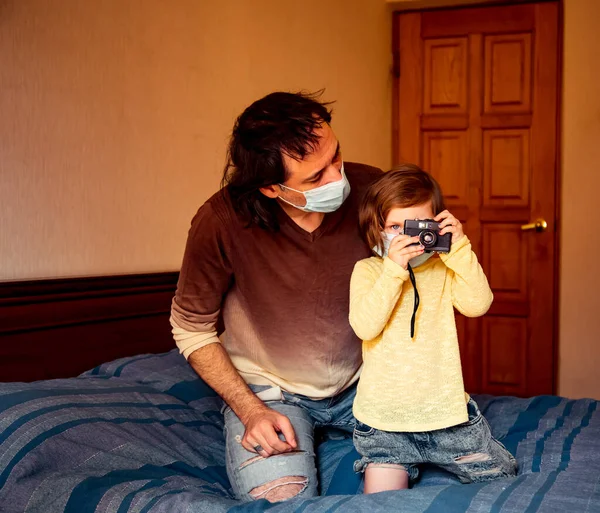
x: 414, y: 385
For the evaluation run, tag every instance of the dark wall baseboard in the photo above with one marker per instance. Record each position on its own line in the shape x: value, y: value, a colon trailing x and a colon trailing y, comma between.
x: 60, y: 328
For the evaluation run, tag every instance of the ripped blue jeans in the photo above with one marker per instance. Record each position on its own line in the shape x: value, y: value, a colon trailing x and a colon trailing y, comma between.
x: 248, y: 471
x: 469, y: 451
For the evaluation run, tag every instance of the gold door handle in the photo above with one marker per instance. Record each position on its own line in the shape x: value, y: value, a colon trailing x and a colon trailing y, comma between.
x: 539, y: 225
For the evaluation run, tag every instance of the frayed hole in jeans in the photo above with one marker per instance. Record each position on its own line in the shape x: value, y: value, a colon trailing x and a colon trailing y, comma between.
x: 387, y: 465
x: 496, y: 471
x: 473, y: 458
x: 250, y: 461
x: 280, y: 489
x: 254, y: 459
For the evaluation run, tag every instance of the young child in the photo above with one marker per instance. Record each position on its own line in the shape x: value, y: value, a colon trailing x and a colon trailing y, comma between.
x: 411, y: 406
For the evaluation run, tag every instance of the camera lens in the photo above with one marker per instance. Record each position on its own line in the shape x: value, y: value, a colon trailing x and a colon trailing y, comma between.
x: 427, y: 238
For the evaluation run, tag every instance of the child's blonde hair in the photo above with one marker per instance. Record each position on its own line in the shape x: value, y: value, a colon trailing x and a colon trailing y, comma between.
x: 402, y: 187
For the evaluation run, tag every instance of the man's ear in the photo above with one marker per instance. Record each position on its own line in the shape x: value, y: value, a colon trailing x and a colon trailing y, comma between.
x: 270, y: 191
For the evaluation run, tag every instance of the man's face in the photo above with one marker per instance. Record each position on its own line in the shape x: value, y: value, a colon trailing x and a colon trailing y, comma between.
x: 319, y: 168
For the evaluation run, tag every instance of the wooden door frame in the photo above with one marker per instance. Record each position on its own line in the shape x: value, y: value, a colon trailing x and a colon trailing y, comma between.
x: 460, y: 4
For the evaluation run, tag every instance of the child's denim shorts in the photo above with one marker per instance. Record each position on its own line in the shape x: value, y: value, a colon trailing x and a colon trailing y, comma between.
x: 467, y: 450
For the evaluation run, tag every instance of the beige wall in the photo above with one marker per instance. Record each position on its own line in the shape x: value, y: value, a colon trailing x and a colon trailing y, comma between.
x: 115, y: 115
x: 579, y: 348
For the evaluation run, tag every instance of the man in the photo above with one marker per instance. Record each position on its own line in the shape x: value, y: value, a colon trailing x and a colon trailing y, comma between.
x: 272, y: 254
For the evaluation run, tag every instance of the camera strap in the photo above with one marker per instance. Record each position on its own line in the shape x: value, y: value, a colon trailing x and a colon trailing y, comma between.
x: 413, y: 280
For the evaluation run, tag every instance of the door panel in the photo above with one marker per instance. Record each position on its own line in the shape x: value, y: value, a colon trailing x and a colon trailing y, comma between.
x: 504, y: 256
x: 506, y: 167
x: 445, y: 78
x: 504, y: 355
x: 476, y: 105
x: 446, y: 152
x: 507, y: 74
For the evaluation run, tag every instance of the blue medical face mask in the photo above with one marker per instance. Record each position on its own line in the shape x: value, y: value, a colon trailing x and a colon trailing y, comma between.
x: 387, y: 241
x: 324, y: 199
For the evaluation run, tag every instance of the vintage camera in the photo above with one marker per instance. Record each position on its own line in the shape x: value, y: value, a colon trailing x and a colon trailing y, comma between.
x: 429, y: 235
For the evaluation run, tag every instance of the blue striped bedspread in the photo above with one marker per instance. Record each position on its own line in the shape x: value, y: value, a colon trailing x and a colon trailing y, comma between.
x: 144, y: 434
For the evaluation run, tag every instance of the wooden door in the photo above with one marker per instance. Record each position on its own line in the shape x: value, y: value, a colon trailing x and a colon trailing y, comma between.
x: 475, y: 103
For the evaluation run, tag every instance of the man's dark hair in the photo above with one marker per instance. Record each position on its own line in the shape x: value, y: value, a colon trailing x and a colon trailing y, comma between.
x: 278, y: 124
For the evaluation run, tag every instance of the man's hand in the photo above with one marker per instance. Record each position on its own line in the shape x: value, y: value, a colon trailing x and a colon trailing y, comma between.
x: 449, y: 224
x: 263, y: 426
x: 402, y: 249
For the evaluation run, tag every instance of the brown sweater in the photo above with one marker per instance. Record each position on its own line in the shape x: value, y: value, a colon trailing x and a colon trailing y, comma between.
x: 283, y: 295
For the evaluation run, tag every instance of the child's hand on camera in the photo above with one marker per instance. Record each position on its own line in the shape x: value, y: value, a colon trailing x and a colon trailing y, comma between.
x: 449, y: 224
x: 401, y: 250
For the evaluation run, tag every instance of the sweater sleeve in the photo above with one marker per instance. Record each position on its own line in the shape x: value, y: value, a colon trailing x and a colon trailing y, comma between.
x: 205, y: 278
x: 374, y: 292
x: 471, y: 293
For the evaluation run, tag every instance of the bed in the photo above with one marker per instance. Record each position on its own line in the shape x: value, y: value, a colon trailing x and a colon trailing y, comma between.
x: 143, y: 433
